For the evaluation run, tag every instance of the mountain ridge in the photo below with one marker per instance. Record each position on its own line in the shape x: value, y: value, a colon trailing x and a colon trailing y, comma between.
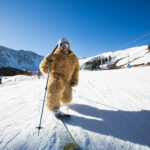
x: 135, y: 56
x: 29, y: 60
x: 19, y: 59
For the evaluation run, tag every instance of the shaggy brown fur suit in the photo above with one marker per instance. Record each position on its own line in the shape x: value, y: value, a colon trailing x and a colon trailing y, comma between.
x: 64, y: 71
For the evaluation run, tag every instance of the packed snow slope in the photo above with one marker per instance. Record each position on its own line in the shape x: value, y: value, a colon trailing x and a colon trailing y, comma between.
x: 110, y: 111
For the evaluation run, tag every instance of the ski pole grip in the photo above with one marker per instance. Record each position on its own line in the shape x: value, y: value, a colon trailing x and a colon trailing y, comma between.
x: 50, y: 61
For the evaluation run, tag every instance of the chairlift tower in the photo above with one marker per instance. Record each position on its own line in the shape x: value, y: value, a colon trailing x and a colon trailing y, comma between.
x: 128, y: 65
x: 102, y: 61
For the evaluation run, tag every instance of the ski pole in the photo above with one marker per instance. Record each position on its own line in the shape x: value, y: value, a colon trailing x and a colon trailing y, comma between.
x: 39, y: 127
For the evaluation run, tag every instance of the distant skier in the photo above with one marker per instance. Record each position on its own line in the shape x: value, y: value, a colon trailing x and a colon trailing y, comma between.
x: 64, y: 74
x: 39, y: 73
x: 0, y: 79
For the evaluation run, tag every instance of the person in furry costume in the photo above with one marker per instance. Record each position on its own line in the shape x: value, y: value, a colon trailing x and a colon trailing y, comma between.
x: 64, y: 74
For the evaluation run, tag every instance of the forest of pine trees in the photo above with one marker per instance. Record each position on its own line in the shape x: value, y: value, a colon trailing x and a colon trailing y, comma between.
x: 95, y: 64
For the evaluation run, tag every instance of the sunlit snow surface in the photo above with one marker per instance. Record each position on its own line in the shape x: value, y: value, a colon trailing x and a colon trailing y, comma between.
x: 110, y: 111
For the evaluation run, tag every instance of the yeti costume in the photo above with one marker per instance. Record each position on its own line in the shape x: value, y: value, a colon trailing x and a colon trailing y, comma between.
x: 64, y: 71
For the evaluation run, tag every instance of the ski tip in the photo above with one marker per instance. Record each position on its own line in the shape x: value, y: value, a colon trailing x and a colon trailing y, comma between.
x: 71, y: 147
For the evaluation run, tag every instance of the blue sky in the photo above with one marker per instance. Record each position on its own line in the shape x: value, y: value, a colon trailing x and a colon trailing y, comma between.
x: 92, y: 26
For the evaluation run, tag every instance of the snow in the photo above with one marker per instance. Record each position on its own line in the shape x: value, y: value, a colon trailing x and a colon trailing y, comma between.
x: 134, y: 55
x: 110, y: 110
x: 145, y: 59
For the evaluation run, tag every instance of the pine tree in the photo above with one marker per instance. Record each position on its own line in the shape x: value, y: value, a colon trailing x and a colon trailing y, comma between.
x: 96, y: 63
x: 149, y: 48
x: 103, y: 60
x: 106, y: 60
x: 110, y: 58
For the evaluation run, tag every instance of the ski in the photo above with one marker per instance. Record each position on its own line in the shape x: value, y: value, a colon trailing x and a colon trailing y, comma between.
x: 62, y: 115
x: 66, y: 139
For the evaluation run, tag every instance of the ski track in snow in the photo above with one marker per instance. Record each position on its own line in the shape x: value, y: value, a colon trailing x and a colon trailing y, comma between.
x: 110, y: 111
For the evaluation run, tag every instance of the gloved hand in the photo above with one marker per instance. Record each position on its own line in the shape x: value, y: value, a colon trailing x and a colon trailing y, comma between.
x: 49, y: 59
x: 72, y: 83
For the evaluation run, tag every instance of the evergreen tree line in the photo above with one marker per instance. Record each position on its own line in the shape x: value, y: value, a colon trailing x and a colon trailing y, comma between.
x: 94, y: 64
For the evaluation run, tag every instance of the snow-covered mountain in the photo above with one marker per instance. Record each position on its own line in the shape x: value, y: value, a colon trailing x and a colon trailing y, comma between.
x: 136, y: 56
x: 19, y: 59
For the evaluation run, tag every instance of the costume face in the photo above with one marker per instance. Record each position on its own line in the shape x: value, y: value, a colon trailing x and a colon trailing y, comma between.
x: 65, y: 48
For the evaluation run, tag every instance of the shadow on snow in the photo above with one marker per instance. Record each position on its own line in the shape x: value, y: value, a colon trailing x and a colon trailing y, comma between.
x: 133, y: 126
